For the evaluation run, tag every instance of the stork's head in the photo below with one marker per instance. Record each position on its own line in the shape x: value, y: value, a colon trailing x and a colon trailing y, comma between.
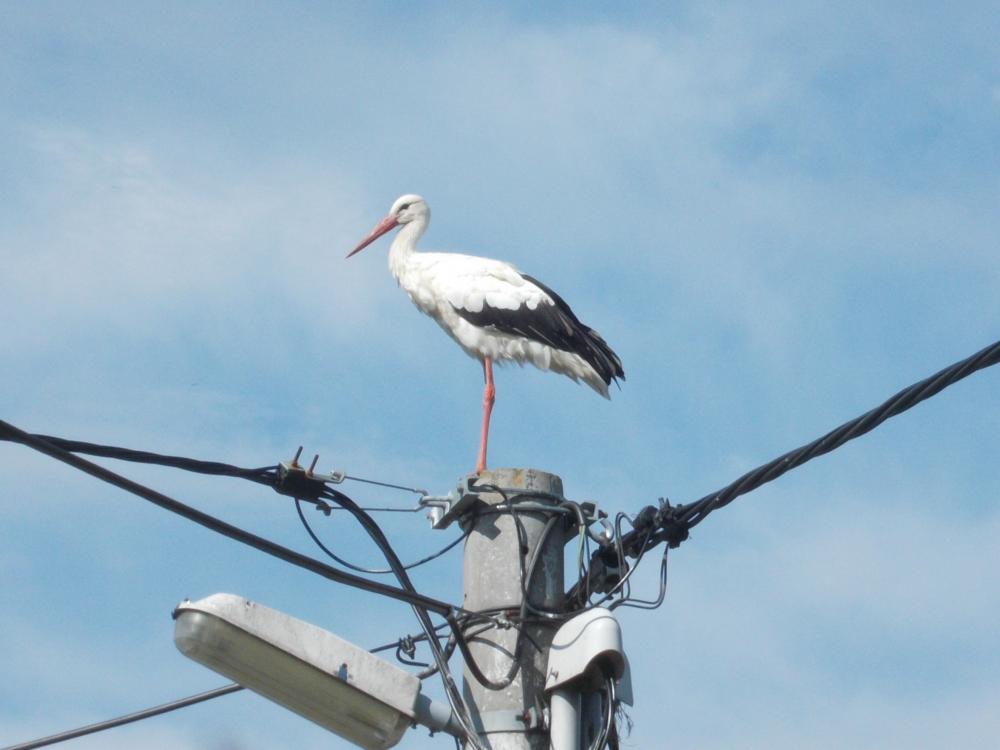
x: 407, y: 208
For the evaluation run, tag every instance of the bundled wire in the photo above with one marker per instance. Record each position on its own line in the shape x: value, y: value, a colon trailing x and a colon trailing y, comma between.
x: 9, y: 432
x: 263, y: 475
x: 672, y: 523
x: 266, y: 475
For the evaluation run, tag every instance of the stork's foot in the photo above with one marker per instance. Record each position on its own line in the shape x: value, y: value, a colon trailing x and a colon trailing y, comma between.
x: 481, y: 460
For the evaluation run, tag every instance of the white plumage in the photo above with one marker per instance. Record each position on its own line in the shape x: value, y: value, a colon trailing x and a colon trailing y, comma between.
x: 492, y: 310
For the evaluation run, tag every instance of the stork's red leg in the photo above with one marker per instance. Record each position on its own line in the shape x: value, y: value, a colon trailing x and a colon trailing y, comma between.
x: 489, y: 396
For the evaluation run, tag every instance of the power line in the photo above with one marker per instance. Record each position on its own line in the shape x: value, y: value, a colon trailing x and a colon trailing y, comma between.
x: 267, y: 475
x: 672, y: 523
x: 147, y: 713
x: 10, y: 432
x: 264, y: 475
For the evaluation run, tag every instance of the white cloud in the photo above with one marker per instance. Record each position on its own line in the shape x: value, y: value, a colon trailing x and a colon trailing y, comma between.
x: 131, y: 244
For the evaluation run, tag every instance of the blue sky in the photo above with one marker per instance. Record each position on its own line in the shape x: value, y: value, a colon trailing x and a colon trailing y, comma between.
x: 777, y: 214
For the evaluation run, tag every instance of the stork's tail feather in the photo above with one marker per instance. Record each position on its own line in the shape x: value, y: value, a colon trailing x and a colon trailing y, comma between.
x: 601, y: 357
x: 585, y: 341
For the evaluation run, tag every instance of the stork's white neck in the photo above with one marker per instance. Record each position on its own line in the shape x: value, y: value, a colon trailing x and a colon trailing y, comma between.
x: 404, y: 244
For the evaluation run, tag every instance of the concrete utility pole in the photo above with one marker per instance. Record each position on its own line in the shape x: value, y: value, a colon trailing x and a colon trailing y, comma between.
x: 511, y: 718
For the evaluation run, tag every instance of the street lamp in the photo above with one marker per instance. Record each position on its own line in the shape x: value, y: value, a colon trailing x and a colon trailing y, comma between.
x: 308, y: 670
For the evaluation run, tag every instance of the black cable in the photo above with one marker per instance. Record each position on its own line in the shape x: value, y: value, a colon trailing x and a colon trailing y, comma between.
x: 674, y: 522
x: 358, y: 568
x: 525, y: 571
x: 629, y: 601
x: 452, y: 642
x: 536, y: 555
x: 128, y: 718
x: 266, y: 475
x: 601, y: 740
x: 449, y: 649
x: 263, y: 475
x: 453, y: 694
x: 472, y: 664
x: 583, y: 555
x: 897, y: 404
x: 623, y: 582
x: 620, y: 553
x: 610, y: 719
x: 210, y: 522
x: 462, y: 640
x: 408, y: 646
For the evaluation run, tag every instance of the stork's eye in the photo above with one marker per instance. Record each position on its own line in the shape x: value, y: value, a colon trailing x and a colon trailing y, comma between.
x: 404, y: 207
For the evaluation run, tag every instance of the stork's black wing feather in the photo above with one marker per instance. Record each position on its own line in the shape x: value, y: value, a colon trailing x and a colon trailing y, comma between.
x: 554, y: 325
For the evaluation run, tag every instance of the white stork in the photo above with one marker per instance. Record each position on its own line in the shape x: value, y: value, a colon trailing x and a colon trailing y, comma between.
x: 494, y: 312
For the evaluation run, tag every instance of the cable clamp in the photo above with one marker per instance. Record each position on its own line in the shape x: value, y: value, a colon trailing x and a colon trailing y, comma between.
x: 674, y: 530
x: 296, y: 481
x: 408, y: 646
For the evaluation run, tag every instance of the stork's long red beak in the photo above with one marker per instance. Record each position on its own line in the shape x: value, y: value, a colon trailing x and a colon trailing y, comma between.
x: 381, y: 228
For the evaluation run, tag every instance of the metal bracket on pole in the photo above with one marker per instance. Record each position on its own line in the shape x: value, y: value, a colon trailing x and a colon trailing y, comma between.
x: 443, y: 510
